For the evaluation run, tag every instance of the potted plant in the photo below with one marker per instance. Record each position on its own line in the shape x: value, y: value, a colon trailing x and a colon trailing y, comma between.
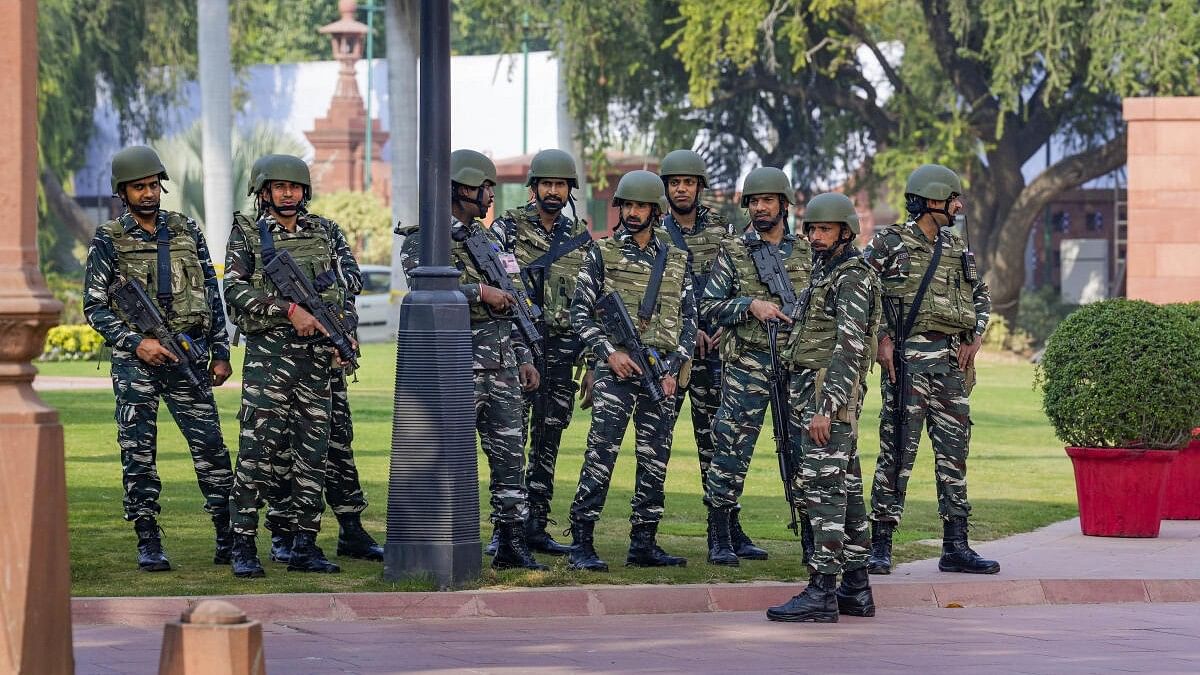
x: 1182, y: 500
x: 1120, y: 383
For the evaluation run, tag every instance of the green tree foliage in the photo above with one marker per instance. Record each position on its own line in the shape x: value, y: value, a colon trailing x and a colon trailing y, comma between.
x: 365, y: 220
x: 869, y: 89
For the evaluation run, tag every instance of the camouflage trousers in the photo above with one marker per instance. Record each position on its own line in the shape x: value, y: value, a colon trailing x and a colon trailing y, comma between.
x: 937, y: 401
x: 615, y: 401
x: 499, y: 409
x: 704, y: 389
x: 549, y: 410
x: 138, y: 387
x: 830, y: 482
x: 744, y: 402
x: 343, y: 491
x: 284, y: 422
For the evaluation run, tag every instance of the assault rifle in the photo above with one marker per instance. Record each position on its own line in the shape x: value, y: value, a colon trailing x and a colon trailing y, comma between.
x: 770, y: 270
x: 621, y: 332
x: 894, y: 310
x: 135, y: 304
x: 778, y: 387
x: 296, y: 287
x: 485, y: 255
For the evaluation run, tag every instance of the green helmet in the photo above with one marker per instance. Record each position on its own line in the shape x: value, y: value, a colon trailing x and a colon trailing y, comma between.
x: 767, y: 180
x: 282, y: 167
x: 255, y: 169
x: 471, y: 168
x: 553, y: 163
x: 832, y: 207
x: 640, y: 186
x: 134, y: 162
x: 684, y: 163
x: 933, y: 181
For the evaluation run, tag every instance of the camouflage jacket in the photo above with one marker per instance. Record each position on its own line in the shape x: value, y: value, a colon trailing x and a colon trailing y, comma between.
x: 100, y: 275
x: 893, y: 260
x: 243, y: 297
x: 836, y: 333
x: 702, y: 242
x: 495, y: 342
x: 590, y: 286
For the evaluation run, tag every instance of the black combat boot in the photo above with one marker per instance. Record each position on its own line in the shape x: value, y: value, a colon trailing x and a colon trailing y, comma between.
x: 743, y: 546
x: 354, y: 541
x: 817, y: 603
x: 306, y: 557
x: 957, y: 555
x: 490, y: 549
x: 244, y: 554
x: 538, y: 538
x: 583, y: 550
x: 513, y: 551
x: 281, y: 544
x: 854, y: 594
x: 807, y: 544
x: 224, y: 549
x: 645, y: 552
x: 720, y: 551
x: 151, y: 557
x: 880, y: 560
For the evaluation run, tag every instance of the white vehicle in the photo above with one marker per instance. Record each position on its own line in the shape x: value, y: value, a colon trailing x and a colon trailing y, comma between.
x: 378, y: 316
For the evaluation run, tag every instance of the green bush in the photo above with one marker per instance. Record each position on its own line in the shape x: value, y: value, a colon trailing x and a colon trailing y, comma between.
x: 999, y: 336
x: 364, y: 218
x: 1122, y: 373
x: 69, y: 291
x: 74, y: 342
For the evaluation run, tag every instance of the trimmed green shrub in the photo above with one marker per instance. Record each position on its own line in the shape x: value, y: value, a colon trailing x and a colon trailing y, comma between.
x: 1122, y: 373
x: 76, y: 342
x: 365, y: 220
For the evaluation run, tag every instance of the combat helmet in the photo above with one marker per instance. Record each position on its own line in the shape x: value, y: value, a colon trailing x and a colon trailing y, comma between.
x: 134, y: 162
x: 832, y: 207
x: 684, y: 163
x: 283, y: 167
x: 553, y: 163
x: 640, y: 186
x: 255, y: 169
x: 767, y: 180
x: 471, y: 168
x: 933, y: 181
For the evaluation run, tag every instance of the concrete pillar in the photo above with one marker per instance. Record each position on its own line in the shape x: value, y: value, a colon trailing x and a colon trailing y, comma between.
x: 35, y: 612
x: 1164, y: 196
x: 213, y: 636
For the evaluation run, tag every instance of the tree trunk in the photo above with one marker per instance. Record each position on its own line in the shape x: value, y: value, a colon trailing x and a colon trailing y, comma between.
x: 403, y: 47
x: 215, y: 69
x: 66, y: 210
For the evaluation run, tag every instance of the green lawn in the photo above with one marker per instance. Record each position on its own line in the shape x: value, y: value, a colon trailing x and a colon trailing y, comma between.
x: 1020, y: 480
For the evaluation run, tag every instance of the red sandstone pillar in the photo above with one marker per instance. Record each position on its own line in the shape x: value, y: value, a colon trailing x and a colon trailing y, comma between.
x: 35, y: 611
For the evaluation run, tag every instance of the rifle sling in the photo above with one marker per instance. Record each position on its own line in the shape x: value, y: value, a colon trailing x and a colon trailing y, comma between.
x: 558, y: 249
x: 163, y: 292
x: 646, y: 309
x: 911, y: 318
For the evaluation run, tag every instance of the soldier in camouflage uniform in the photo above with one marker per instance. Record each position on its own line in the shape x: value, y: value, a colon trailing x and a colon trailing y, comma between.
x: 501, y: 361
x: 628, y: 264
x: 738, y: 299
x: 944, y: 329
x: 135, y: 246
x: 699, y: 229
x: 285, y: 379
x: 550, y: 249
x: 829, y: 356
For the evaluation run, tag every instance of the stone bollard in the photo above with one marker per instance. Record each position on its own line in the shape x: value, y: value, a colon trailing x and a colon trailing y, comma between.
x: 212, y: 637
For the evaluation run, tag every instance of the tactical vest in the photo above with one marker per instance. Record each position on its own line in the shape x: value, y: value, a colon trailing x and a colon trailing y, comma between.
x: 461, y: 259
x: 309, y: 246
x: 629, y: 278
x: 812, y: 343
x: 532, y: 242
x: 138, y: 259
x: 751, y: 334
x: 948, y: 305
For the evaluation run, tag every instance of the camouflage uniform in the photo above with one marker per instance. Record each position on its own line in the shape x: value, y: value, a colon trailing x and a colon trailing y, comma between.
x: 734, y: 284
x: 496, y: 349
x: 551, y: 405
x: 618, y: 264
x: 951, y: 309
x: 285, y: 411
x: 704, y: 382
x: 830, y: 354
x: 121, y: 246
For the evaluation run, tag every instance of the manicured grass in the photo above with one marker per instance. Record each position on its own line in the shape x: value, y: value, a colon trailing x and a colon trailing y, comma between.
x: 1019, y: 476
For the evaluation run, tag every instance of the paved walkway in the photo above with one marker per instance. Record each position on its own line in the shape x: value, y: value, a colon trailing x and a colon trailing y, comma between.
x: 62, y: 383
x: 1065, y: 639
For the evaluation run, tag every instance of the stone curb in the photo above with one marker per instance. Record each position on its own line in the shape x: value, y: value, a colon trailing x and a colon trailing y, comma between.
x: 617, y: 600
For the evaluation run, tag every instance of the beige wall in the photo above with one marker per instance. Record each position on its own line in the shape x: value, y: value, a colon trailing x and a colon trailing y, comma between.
x: 1164, y: 199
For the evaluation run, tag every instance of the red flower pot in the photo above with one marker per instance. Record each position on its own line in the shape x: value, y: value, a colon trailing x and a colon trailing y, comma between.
x: 1120, y: 491
x: 1182, y: 501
